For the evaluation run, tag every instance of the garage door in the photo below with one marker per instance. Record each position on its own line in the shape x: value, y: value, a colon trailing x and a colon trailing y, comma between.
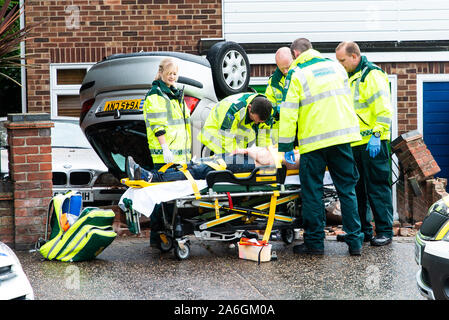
x: 436, y: 123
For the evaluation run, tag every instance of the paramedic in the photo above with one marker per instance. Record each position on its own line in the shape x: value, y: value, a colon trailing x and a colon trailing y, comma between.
x: 167, y: 119
x: 371, y: 94
x: 234, y: 122
x: 275, y: 87
x: 318, y: 101
x: 238, y: 161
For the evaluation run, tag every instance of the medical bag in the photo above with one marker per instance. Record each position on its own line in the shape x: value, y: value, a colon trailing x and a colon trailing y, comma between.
x: 76, y: 234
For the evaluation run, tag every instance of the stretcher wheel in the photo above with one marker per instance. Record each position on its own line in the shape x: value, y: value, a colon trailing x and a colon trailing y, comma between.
x: 182, y: 254
x: 288, y: 235
x: 165, y: 243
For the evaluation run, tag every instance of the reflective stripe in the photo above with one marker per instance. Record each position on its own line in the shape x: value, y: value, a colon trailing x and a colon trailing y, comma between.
x: 328, y: 135
x: 290, y: 105
x: 362, y: 105
x: 357, y: 84
x: 154, y: 115
x: 384, y: 120
x: 303, y: 80
x: 287, y: 139
x: 225, y: 133
x: 324, y: 95
x: 176, y: 121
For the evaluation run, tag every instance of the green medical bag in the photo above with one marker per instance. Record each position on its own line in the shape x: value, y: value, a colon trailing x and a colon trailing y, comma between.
x: 83, y: 240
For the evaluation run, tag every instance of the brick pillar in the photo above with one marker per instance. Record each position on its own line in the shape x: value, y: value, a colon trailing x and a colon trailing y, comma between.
x: 417, y: 189
x: 29, y: 140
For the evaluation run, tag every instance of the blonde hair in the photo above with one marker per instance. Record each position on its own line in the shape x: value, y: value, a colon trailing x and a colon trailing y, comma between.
x: 165, y: 63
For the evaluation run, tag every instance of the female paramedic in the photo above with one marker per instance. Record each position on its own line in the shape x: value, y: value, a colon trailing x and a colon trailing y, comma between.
x: 167, y: 118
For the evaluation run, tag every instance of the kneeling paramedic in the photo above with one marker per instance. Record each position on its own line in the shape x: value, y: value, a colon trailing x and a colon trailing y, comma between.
x: 234, y: 123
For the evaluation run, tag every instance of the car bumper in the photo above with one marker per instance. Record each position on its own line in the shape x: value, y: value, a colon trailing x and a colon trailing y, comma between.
x: 95, y: 194
x: 16, y: 288
x: 433, y: 277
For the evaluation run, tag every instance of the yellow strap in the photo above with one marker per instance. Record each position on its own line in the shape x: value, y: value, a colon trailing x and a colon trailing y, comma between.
x: 217, y: 211
x: 271, y: 215
x: 275, y: 155
x: 220, y: 166
x: 192, y: 181
x: 165, y: 167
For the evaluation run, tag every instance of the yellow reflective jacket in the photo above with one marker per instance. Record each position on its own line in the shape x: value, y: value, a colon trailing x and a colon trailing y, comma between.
x: 228, y: 125
x: 274, y: 93
x: 165, y: 112
x: 372, y: 103
x: 275, y: 87
x: 318, y: 100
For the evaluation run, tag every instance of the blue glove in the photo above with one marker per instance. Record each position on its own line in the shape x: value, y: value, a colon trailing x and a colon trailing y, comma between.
x: 373, y: 146
x: 290, y: 157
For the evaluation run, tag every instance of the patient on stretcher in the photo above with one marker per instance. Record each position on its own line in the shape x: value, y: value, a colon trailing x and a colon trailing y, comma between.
x: 239, y: 161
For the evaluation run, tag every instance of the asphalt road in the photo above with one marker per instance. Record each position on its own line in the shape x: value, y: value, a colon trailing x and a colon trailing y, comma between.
x: 129, y: 269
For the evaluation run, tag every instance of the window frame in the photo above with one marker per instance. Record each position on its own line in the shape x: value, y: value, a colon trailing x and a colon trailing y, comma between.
x: 63, y: 90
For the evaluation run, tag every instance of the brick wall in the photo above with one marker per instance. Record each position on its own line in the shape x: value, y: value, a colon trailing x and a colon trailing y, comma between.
x: 30, y: 170
x: 88, y: 30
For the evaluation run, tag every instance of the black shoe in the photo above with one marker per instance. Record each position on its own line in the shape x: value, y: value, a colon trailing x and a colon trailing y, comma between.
x: 355, y: 252
x: 341, y: 237
x: 303, y: 249
x: 379, y: 241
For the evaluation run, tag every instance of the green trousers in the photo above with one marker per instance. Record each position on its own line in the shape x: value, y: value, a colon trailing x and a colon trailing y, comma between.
x: 343, y: 171
x: 374, y: 190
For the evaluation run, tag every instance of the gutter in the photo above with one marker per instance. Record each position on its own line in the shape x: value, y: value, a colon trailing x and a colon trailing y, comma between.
x: 23, y: 78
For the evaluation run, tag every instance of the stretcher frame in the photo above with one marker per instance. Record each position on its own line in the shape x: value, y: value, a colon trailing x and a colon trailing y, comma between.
x: 263, y: 216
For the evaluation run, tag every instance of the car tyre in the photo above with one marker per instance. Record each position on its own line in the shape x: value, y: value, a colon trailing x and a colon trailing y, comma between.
x: 230, y: 68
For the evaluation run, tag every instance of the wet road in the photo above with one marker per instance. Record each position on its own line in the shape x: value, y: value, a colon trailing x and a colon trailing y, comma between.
x: 130, y: 269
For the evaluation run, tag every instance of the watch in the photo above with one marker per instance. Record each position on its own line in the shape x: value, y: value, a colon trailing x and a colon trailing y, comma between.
x: 376, y: 134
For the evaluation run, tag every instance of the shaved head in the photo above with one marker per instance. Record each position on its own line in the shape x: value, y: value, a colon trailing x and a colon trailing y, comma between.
x: 284, y: 59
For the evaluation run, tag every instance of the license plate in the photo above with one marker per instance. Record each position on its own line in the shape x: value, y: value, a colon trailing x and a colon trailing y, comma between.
x: 87, y: 196
x: 122, y: 105
x: 419, y: 248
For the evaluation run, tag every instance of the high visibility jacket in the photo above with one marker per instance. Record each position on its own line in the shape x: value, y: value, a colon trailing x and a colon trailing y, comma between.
x: 274, y: 93
x: 165, y: 112
x: 275, y: 87
x: 317, y: 99
x: 228, y: 125
x: 371, y: 90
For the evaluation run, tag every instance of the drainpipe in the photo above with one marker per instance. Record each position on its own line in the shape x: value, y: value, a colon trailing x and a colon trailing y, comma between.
x: 22, y: 62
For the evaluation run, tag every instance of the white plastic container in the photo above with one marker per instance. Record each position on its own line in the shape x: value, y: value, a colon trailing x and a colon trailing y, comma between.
x: 251, y: 252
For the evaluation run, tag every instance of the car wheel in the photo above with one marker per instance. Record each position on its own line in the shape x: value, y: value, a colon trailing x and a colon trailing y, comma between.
x: 230, y: 68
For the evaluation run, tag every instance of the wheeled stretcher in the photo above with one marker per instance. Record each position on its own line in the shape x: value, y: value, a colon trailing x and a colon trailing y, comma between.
x: 225, y: 206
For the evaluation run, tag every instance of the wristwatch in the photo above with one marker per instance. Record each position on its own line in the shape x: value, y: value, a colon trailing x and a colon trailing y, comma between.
x: 376, y: 134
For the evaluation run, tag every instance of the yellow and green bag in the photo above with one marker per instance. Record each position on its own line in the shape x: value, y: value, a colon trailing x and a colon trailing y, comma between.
x: 86, y: 238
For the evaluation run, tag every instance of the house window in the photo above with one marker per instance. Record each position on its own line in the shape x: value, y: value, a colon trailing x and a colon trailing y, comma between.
x: 65, y: 83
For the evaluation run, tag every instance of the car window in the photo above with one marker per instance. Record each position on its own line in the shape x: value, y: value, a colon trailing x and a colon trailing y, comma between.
x: 68, y: 135
x: 119, y: 160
